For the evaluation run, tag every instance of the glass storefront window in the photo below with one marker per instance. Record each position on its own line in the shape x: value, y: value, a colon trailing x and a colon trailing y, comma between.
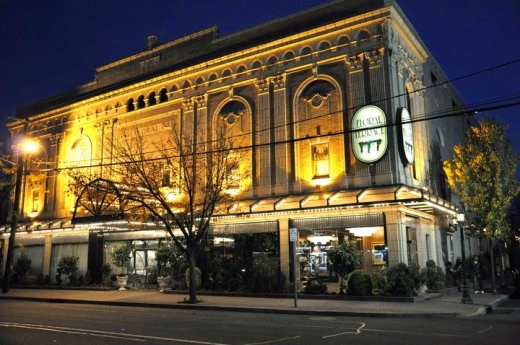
x: 313, y: 246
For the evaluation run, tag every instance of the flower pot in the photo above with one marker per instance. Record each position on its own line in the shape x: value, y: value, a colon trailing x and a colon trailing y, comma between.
x: 121, y: 281
x: 163, y: 282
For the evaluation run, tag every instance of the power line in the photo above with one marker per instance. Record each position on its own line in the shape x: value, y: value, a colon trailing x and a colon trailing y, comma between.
x: 468, y: 112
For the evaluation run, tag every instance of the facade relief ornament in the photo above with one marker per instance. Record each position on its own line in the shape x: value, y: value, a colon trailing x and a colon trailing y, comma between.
x: 278, y: 81
x: 188, y: 103
x: 201, y: 101
x: 262, y: 85
x: 356, y: 61
x: 55, y: 138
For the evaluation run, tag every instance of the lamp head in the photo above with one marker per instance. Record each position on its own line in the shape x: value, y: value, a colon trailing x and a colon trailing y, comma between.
x: 30, y: 146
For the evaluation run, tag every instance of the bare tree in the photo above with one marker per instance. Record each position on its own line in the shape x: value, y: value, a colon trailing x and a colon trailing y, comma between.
x: 178, y: 179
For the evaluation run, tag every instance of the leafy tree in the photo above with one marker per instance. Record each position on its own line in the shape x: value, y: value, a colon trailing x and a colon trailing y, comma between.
x: 344, y: 259
x: 169, y: 259
x: 178, y: 178
x: 482, y: 173
x: 265, y: 270
x: 120, y: 256
x: 22, y: 265
x: 68, y: 264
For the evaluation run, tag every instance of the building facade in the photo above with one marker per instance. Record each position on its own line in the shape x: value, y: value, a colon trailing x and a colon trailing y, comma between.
x: 346, y: 114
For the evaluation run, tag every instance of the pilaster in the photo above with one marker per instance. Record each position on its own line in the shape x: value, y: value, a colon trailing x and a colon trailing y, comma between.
x: 264, y: 136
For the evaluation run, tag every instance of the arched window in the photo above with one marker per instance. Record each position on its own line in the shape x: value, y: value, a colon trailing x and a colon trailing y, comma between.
x: 256, y: 65
x: 343, y: 40
x: 363, y: 35
x: 288, y: 55
x: 306, y: 51
x: 80, y: 152
x: 140, y: 102
x: 212, y: 76
x: 130, y: 105
x: 232, y: 112
x: 324, y: 46
x: 272, y: 60
x: 163, y: 96
x: 151, y: 99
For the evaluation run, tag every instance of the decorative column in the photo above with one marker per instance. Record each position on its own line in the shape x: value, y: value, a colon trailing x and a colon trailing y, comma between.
x: 263, y: 138
x: 201, y: 122
x: 53, y: 175
x: 47, y: 254
x: 188, y: 127
x: 280, y: 161
x: 396, y: 238
x: 284, y: 246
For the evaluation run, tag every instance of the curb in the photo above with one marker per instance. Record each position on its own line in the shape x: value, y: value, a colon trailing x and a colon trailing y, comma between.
x: 186, y: 306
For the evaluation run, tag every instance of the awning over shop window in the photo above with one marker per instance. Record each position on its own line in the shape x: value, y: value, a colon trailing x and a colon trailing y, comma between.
x: 356, y: 221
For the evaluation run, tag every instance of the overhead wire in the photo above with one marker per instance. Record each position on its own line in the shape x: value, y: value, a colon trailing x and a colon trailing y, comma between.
x: 416, y: 117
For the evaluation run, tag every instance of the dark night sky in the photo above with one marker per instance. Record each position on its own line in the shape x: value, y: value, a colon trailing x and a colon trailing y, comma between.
x: 50, y: 46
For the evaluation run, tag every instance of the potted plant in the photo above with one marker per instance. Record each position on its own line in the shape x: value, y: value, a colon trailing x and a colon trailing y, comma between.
x: 120, y: 257
x: 68, y: 264
x: 343, y: 260
x: 163, y: 257
x: 22, y: 265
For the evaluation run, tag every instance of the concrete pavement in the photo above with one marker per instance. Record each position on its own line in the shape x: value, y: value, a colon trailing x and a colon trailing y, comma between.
x: 427, y: 305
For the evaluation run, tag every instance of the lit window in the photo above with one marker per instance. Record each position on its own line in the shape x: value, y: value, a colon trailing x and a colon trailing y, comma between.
x: 166, y: 176
x: 320, y: 160
x: 35, y: 200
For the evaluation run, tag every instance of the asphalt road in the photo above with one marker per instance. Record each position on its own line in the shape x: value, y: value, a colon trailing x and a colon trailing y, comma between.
x: 26, y: 322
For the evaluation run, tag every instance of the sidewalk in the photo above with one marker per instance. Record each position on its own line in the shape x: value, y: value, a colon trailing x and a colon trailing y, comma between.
x: 433, y: 305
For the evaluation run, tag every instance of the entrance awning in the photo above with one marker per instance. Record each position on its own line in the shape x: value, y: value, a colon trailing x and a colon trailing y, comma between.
x: 414, y: 198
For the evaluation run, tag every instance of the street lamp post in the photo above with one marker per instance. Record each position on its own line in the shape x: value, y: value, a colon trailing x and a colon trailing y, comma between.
x: 25, y: 147
x: 466, y: 297
x: 14, y: 221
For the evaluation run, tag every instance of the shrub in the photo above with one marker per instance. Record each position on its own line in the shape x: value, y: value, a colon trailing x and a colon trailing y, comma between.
x: 359, y: 284
x: 105, y: 271
x: 233, y: 284
x: 47, y: 280
x: 87, y: 279
x: 315, y: 287
x: 73, y: 281
x: 380, y: 280
x: 22, y: 265
x: 265, y: 270
x: 401, y: 280
x: 415, y: 273
x: 31, y: 280
x: 344, y: 259
x: 198, y: 275
x: 433, y: 276
x: 39, y: 279
x: 450, y: 275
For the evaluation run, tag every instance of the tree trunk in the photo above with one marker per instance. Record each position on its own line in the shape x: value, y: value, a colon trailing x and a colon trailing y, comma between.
x: 492, y: 266
x: 193, y: 275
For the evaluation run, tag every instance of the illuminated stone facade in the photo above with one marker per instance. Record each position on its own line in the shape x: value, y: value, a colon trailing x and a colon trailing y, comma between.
x: 291, y: 94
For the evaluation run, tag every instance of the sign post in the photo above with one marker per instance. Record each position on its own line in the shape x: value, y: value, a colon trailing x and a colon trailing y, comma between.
x: 293, y: 238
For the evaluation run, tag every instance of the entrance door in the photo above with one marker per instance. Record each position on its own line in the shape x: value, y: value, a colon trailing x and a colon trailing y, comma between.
x: 411, y: 240
x: 96, y: 244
